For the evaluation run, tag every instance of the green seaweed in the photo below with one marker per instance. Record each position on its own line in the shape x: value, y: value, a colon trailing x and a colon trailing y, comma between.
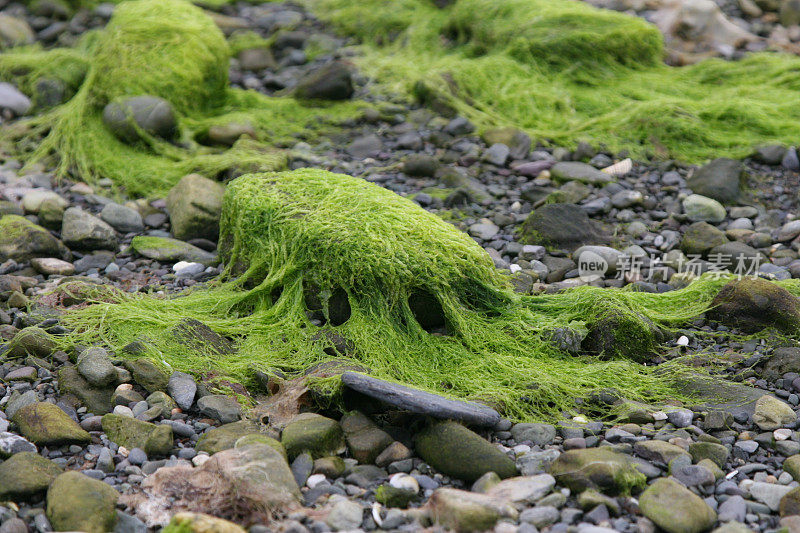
x: 291, y: 242
x: 565, y: 71
x: 174, y: 51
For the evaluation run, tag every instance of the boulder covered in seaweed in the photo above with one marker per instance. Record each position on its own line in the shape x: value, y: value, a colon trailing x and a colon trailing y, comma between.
x: 322, y: 266
x: 752, y: 304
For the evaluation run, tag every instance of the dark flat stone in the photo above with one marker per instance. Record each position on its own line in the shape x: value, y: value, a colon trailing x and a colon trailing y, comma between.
x: 421, y: 402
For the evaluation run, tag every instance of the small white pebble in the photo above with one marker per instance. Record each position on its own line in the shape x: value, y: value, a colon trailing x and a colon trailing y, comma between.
x: 514, y: 268
x: 123, y: 451
x: 659, y: 415
x: 683, y: 340
x: 314, y: 480
x: 200, y: 459
x: 782, y: 434
x: 516, y: 206
x: 580, y: 419
x: 180, y: 265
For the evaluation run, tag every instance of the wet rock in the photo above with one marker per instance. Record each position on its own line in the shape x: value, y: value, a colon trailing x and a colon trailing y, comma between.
x: 132, y: 433
x: 539, y: 434
x: 330, y: 82
x: 150, y: 114
x: 420, y: 402
x: 194, y: 205
x: 456, y: 451
x: 95, y: 365
x: 146, y: 374
x: 202, y: 523
x: 11, y: 444
x: 72, y: 384
x: 181, y: 388
x: 769, y: 494
x: 597, y: 468
x: 14, y: 32
x: 752, y: 304
x: 364, y: 439
x: 523, y: 490
x: 658, y: 450
x: 784, y: 359
x: 721, y: 179
x: 228, y: 134
x: 255, y: 59
x: 225, y: 436
x: 675, y: 508
x: 343, y: 514
x: 50, y: 266
x: 701, y: 237
x: 21, y: 239
x: 316, y: 434
x: 76, y: 502
x: 709, y: 450
x: 420, y: 165
x: 789, y: 504
x: 83, y: 231
x: 26, y: 474
x: 700, y: 208
x: 572, y: 170
x: 122, y: 218
x: 561, y: 226
x: 45, y: 424
x: 220, y: 407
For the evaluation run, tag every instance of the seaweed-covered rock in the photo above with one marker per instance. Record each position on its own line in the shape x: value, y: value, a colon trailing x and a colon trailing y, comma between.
x: 21, y: 239
x: 753, y: 304
x: 132, y: 433
x: 76, y: 502
x: 45, y: 424
x: 149, y: 114
x: 26, y: 474
x: 31, y: 341
x: 313, y: 433
x: 617, y: 332
x: 709, y: 450
x: 560, y: 226
x: 194, y: 207
x: 456, y: 451
x: 676, y: 509
x: 597, y: 468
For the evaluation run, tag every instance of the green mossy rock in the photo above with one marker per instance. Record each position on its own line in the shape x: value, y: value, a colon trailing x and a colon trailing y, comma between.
x: 132, y: 433
x: 76, y: 502
x: 792, y: 465
x: 709, y: 450
x: 601, y: 469
x: 676, y: 509
x: 364, y: 439
x: 31, y: 341
x: 790, y: 503
x: 771, y: 413
x: 261, y: 439
x: 147, y: 375
x: 617, y: 333
x: 394, y: 497
x: 21, y: 240
x: 312, y: 433
x: 701, y: 237
x: 225, y: 437
x: 194, y: 207
x: 26, y: 474
x: 96, y: 400
x: 167, y: 250
x: 162, y: 400
x: 45, y: 424
x: 560, y: 226
x: 460, y: 510
x: 456, y: 451
x: 754, y: 304
x: 186, y: 522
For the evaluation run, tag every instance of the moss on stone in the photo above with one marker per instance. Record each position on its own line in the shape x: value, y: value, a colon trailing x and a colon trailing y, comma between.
x: 170, y: 50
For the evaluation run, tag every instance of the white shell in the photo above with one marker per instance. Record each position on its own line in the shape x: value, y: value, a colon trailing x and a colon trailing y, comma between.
x: 620, y: 168
x: 404, y: 481
x: 314, y: 480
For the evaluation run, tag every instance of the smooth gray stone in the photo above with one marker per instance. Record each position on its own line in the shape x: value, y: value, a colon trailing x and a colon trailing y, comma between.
x: 421, y: 402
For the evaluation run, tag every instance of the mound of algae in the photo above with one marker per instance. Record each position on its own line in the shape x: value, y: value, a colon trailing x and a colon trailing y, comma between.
x: 565, y: 71
x: 168, y: 49
x: 322, y: 266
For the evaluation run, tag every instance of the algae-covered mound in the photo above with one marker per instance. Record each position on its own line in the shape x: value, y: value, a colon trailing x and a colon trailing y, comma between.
x: 565, y: 71
x: 322, y: 266
x: 169, y: 50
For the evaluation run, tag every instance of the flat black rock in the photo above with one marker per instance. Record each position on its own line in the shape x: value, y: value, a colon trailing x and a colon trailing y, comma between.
x: 421, y: 402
